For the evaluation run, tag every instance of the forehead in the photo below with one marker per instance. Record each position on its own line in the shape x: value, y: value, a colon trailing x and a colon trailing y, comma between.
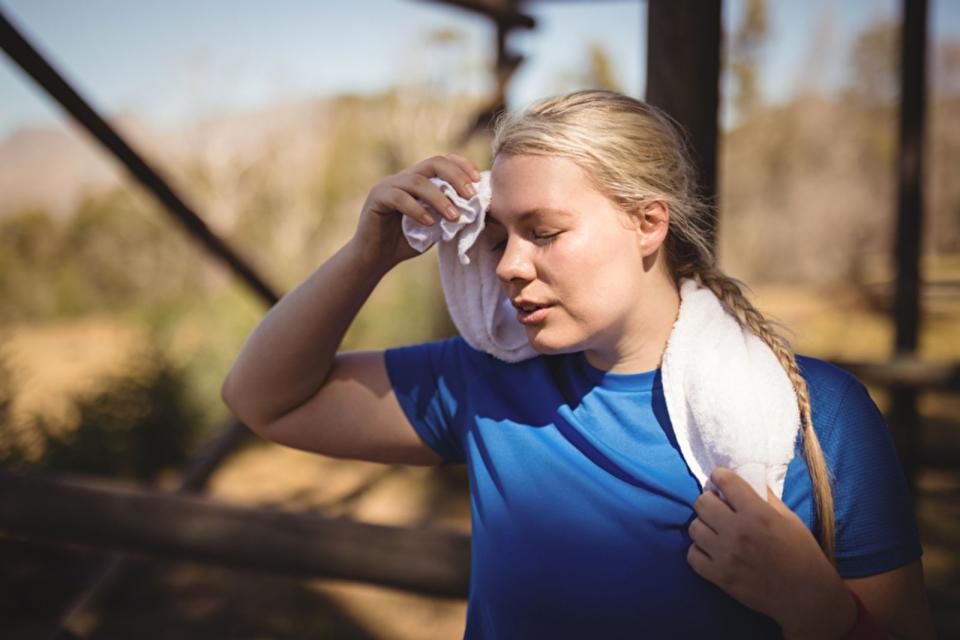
x: 531, y: 186
x: 535, y: 213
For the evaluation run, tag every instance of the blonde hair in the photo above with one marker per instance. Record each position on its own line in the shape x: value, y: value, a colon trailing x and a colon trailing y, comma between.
x: 634, y: 153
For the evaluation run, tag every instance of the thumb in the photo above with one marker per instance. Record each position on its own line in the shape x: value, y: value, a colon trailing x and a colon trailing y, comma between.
x: 776, y: 502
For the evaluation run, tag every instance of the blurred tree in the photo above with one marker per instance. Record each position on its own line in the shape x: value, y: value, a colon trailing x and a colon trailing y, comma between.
x: 138, y: 423
x: 873, y: 92
x: 29, y: 253
x: 596, y: 72
x: 601, y: 74
x: 875, y: 64
x: 947, y: 69
x: 119, y: 249
x: 822, y: 50
x: 441, y: 68
x: 6, y: 398
x: 745, y: 49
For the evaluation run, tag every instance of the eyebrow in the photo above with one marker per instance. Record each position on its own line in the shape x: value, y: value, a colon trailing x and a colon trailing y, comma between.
x: 537, y: 211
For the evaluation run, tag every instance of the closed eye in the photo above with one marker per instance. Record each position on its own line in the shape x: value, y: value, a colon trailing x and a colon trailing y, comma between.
x: 502, y: 244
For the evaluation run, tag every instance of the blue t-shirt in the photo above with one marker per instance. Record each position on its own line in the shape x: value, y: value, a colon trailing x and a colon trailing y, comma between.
x: 581, y: 499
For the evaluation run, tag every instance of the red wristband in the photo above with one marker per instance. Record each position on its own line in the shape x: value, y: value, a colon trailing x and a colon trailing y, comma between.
x: 866, y: 627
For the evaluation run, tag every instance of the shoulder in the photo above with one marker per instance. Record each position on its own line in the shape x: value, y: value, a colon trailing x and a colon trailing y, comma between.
x: 824, y: 378
x: 842, y: 409
x: 835, y: 395
x: 875, y: 527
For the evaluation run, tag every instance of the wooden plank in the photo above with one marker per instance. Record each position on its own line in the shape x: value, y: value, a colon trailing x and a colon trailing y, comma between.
x: 427, y: 560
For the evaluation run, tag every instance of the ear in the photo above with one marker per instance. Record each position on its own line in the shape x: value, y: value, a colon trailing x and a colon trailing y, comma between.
x: 654, y: 222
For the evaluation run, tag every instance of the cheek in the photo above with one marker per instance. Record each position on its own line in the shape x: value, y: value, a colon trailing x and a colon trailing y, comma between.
x: 583, y: 273
x: 600, y: 260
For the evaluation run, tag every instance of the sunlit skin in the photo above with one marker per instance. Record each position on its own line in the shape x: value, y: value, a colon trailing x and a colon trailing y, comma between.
x: 602, y: 269
x: 605, y: 273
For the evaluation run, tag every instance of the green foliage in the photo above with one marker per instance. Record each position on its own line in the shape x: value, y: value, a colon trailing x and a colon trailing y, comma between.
x: 6, y: 390
x: 140, y: 423
x: 29, y: 251
x: 113, y: 252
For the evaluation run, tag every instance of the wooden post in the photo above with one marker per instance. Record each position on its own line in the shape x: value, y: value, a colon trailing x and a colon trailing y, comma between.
x: 906, y: 308
x: 683, y: 78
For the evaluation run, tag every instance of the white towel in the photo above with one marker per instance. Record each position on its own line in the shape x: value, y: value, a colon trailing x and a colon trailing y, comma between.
x: 730, y: 402
x: 481, y: 311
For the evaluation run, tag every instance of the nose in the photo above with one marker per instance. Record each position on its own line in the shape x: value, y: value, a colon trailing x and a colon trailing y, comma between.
x: 515, y: 263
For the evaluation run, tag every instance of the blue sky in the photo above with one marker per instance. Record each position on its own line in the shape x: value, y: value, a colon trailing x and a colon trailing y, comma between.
x: 176, y: 61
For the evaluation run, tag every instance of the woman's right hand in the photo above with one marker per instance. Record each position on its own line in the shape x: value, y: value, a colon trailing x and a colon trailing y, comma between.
x: 379, y: 236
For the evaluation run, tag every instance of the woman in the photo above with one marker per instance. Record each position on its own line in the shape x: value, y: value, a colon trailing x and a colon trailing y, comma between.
x: 586, y: 522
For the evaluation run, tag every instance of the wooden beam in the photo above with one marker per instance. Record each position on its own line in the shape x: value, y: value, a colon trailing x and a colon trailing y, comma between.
x: 107, y: 516
x: 683, y: 78
x: 906, y: 304
x: 913, y: 38
x: 906, y: 372
x: 502, y: 12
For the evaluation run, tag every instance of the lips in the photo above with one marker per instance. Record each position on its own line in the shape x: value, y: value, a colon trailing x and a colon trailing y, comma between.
x: 533, y: 317
x: 520, y: 304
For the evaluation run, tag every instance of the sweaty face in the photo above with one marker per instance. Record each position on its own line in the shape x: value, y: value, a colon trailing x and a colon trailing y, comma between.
x: 562, y: 243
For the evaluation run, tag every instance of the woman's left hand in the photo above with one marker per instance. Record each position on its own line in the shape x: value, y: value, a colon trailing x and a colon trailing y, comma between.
x: 764, y: 556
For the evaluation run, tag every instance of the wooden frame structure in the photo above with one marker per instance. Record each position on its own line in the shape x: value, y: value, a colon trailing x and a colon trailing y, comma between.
x: 683, y: 67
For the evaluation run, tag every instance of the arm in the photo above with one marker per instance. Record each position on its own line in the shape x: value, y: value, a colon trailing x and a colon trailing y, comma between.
x: 289, y: 355
x: 279, y: 381
x: 897, y: 600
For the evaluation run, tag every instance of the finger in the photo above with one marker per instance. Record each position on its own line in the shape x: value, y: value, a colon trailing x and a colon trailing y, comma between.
x: 714, y: 512
x: 449, y: 171
x: 466, y: 165
x: 700, y: 562
x: 421, y: 187
x: 738, y: 492
x: 407, y: 205
x: 701, y: 533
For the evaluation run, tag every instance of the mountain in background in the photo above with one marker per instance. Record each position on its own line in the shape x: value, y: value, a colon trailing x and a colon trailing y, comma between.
x: 54, y: 169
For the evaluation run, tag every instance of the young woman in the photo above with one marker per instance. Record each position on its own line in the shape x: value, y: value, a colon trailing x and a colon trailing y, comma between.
x: 586, y: 521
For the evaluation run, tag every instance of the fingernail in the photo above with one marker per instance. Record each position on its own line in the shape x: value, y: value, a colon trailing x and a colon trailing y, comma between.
x: 452, y: 213
x: 470, y: 190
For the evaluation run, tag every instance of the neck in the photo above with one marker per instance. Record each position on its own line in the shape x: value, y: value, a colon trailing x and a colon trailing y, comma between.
x: 640, y: 348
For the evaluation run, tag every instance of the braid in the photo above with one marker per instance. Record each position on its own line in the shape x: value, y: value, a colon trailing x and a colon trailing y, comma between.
x: 729, y: 291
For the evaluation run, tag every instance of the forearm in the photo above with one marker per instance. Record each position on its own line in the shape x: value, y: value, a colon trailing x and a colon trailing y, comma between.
x: 836, y: 614
x: 288, y: 357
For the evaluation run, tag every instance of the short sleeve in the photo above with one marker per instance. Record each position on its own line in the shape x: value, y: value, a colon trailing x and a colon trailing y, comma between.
x: 427, y: 379
x: 876, y: 529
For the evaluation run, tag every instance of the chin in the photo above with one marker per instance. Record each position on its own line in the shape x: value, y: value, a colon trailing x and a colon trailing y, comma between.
x: 542, y: 342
